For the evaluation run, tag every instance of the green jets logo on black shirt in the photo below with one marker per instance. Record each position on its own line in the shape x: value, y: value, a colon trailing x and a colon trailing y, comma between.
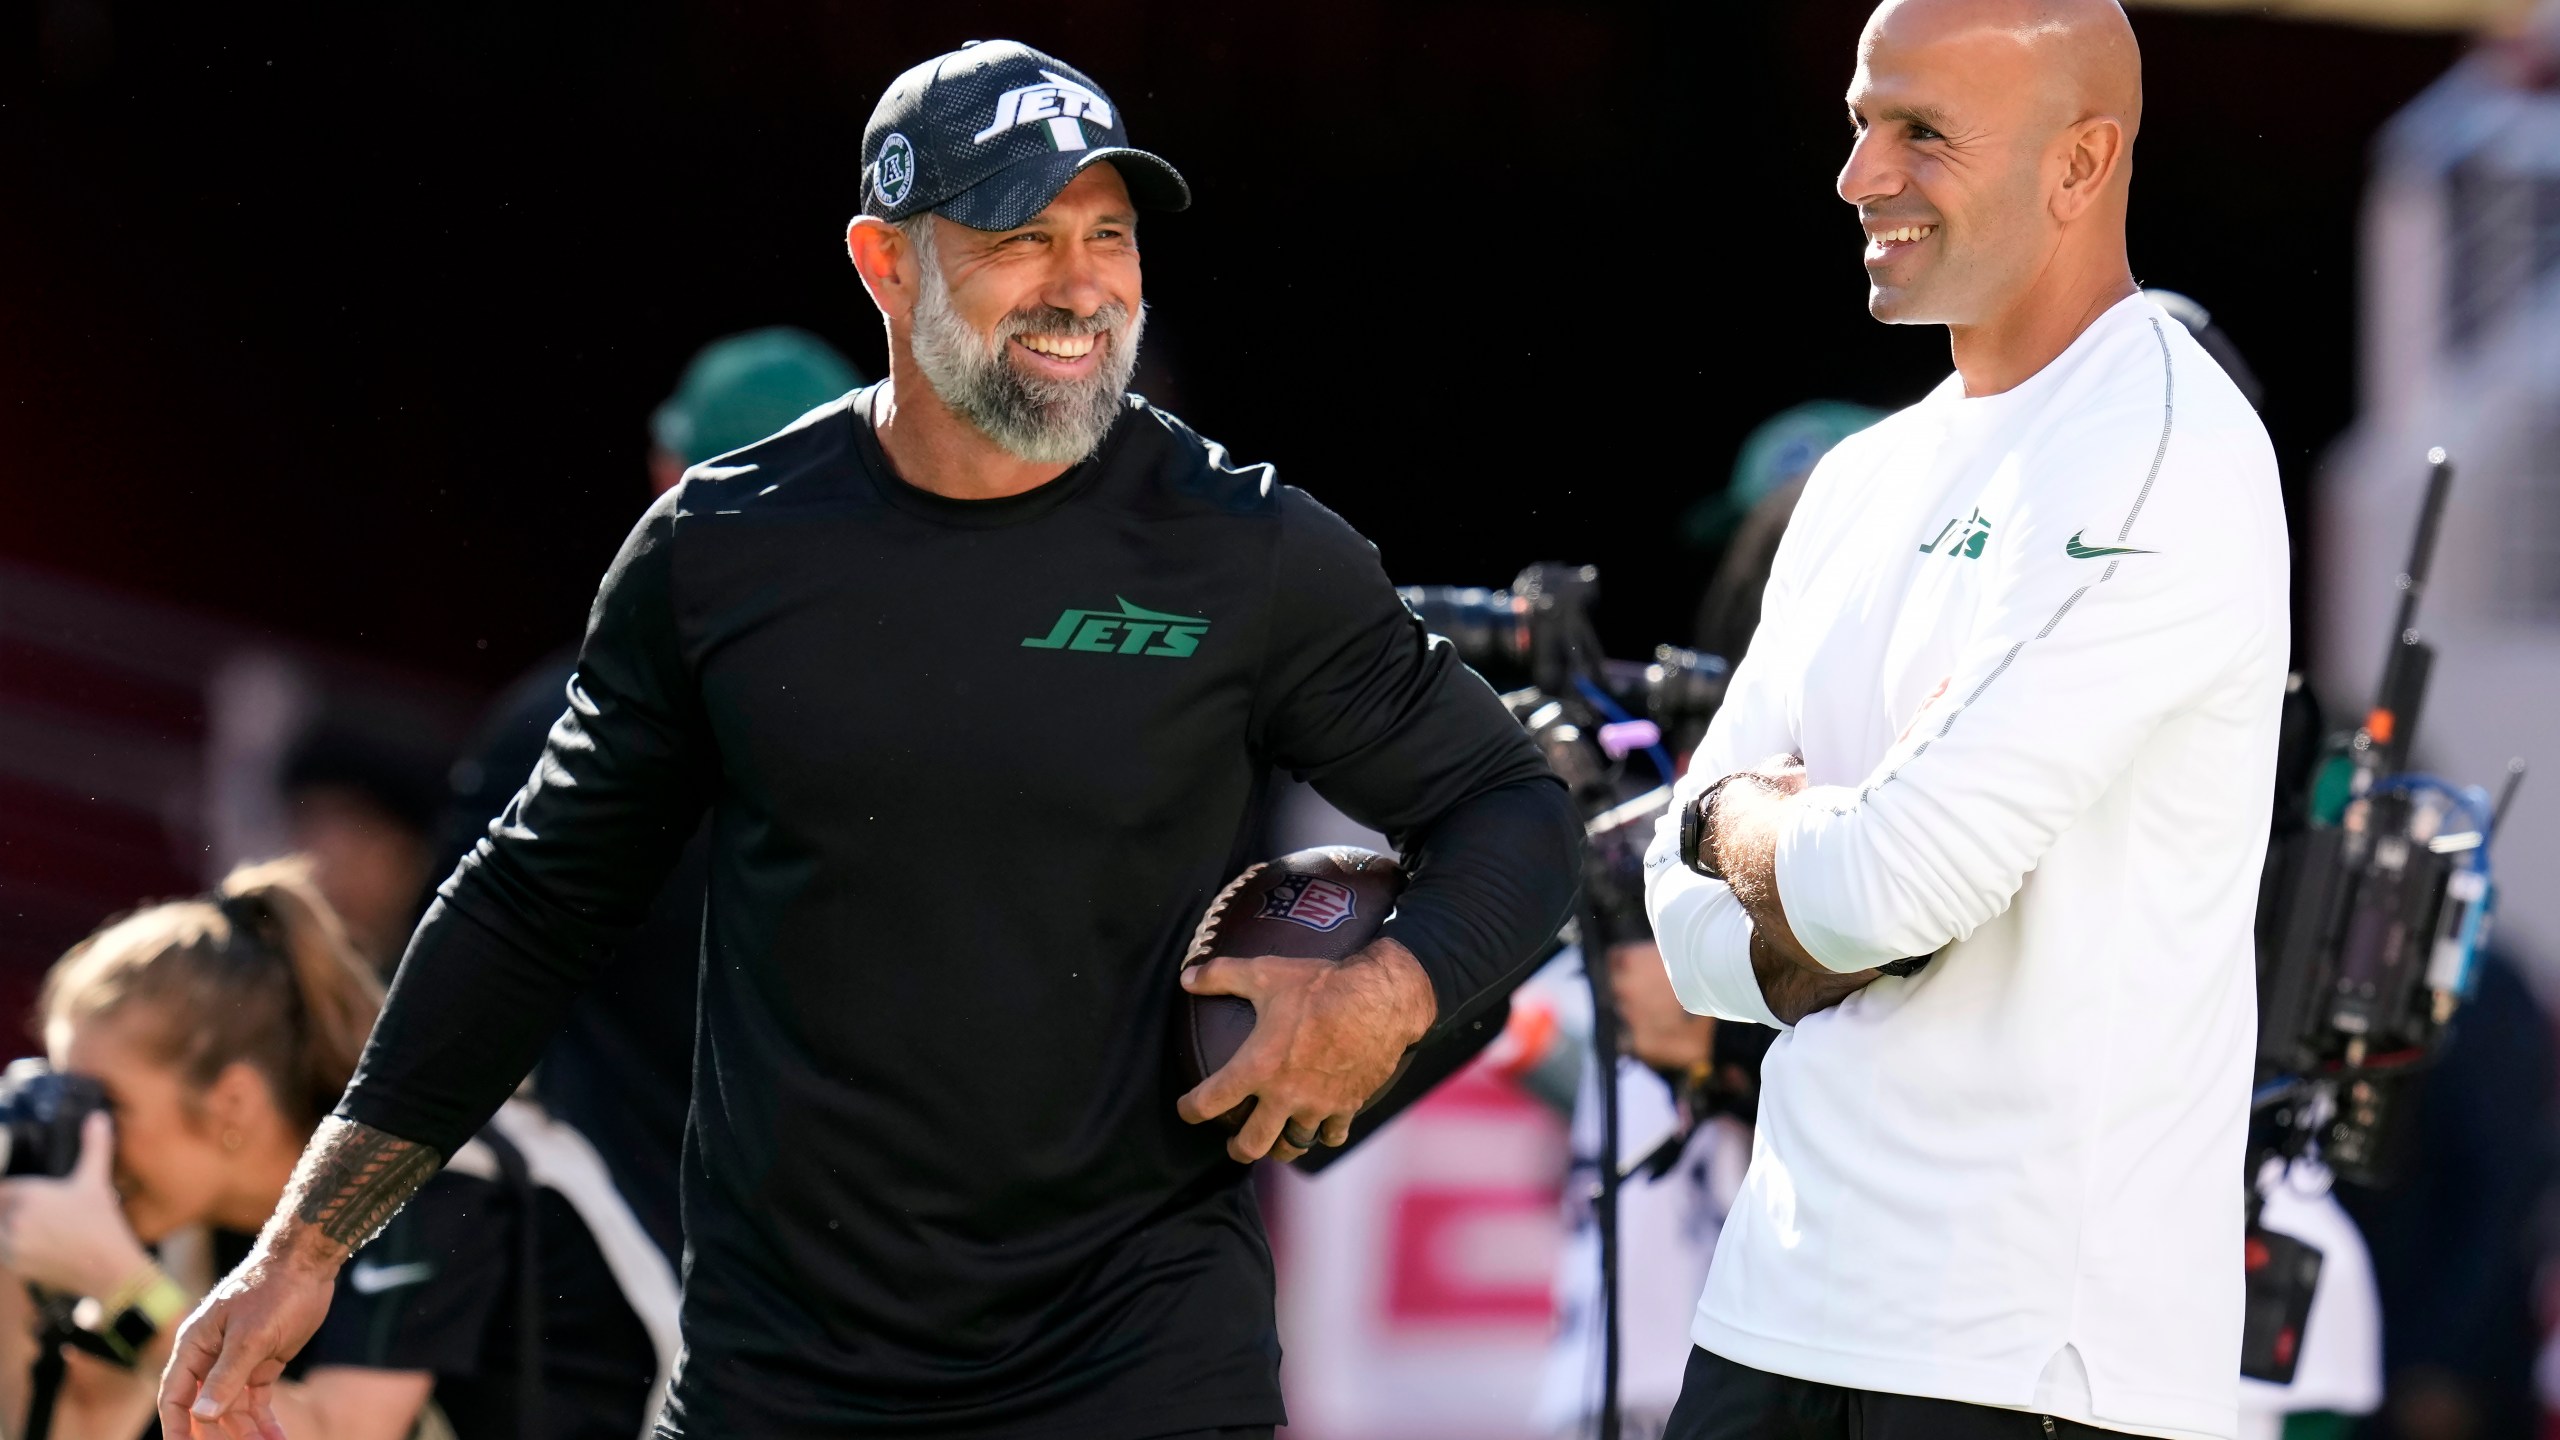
x: 1128, y: 630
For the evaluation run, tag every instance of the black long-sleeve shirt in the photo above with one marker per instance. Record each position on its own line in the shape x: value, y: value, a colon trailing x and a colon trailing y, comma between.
x: 973, y: 769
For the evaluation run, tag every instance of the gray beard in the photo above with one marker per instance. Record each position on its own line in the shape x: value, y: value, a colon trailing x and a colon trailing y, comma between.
x: 1044, y: 421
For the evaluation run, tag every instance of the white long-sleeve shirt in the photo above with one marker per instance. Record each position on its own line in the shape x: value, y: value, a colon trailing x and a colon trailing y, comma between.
x: 2031, y: 647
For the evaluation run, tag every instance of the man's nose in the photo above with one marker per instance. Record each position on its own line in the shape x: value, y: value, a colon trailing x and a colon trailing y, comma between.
x: 1075, y: 281
x: 1868, y: 174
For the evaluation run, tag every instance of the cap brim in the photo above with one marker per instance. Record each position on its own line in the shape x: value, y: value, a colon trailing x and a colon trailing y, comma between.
x: 1009, y: 198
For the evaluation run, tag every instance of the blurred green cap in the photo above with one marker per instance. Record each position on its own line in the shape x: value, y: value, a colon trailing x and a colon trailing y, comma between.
x: 1784, y: 448
x: 743, y: 388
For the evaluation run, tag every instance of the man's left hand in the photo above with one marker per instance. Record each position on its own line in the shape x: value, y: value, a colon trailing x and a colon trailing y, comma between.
x: 1326, y: 1035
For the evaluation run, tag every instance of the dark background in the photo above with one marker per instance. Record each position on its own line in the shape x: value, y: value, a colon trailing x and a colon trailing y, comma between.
x: 345, y: 322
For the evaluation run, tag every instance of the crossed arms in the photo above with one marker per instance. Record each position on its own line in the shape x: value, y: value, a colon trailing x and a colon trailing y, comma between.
x: 1747, y: 816
x: 2070, y: 669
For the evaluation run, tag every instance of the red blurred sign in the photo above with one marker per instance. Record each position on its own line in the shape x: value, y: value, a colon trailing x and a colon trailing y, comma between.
x: 1458, y: 1255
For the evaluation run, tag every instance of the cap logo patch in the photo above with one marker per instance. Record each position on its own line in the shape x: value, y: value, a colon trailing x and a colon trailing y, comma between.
x: 894, y: 173
x: 1061, y: 103
x: 1306, y: 900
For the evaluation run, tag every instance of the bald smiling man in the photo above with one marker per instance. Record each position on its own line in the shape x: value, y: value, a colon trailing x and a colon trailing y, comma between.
x: 1979, y: 825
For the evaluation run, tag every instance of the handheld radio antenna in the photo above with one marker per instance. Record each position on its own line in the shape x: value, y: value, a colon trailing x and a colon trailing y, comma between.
x: 2393, y: 720
x: 2507, y: 793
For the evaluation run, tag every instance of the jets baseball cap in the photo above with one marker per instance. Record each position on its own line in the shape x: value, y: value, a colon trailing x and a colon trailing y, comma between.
x: 990, y: 133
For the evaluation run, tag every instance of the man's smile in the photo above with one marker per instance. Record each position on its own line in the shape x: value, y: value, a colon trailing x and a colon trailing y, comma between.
x: 1066, y: 357
x: 1887, y: 243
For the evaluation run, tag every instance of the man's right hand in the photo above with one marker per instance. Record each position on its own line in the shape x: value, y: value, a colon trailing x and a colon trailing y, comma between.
x: 223, y: 1370
x: 222, y: 1373
x: 1796, y: 988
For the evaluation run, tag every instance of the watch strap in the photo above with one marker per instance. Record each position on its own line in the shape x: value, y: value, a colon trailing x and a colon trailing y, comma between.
x: 131, y: 1318
x: 1697, y: 830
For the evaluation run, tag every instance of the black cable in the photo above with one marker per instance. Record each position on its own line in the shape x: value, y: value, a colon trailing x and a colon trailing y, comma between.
x: 1604, y: 1198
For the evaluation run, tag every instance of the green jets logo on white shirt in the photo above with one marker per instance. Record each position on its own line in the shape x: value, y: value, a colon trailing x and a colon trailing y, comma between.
x: 1967, y: 544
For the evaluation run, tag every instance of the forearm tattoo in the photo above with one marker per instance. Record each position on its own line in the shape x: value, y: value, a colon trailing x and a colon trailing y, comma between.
x: 354, y: 1178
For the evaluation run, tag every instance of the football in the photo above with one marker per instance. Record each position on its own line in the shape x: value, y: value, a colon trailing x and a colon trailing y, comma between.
x: 1321, y: 904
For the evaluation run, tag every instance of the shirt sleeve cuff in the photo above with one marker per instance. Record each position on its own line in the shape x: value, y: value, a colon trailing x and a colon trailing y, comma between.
x: 1706, y: 944
x: 1825, y: 848
x: 1453, y: 996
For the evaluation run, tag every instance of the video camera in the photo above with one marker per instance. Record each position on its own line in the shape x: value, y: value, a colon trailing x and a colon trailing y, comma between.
x: 2376, y: 903
x: 1592, y: 717
x: 2373, y: 913
x: 1538, y: 633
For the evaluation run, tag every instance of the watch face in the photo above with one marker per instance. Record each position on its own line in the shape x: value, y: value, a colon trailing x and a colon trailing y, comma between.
x: 134, y: 1328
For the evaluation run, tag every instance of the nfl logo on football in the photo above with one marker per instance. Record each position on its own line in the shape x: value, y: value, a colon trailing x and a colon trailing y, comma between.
x: 1309, y: 900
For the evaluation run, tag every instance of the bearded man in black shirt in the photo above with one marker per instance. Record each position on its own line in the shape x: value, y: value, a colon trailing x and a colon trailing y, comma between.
x: 977, y: 673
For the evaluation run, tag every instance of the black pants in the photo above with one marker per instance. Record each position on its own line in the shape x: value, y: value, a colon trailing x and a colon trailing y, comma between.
x: 1720, y: 1400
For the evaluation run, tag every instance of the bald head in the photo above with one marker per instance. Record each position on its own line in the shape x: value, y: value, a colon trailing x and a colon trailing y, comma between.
x: 1994, y: 152
x: 2072, y: 59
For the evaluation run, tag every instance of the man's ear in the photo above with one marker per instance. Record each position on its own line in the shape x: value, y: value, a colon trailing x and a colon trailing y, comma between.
x: 886, y: 263
x: 2093, y: 157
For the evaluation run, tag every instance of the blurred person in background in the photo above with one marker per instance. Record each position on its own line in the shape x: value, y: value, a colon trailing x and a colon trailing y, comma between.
x: 1746, y: 518
x: 621, y: 1069
x: 222, y: 1029
x: 363, y: 812
x: 738, y: 390
x: 2460, y: 1241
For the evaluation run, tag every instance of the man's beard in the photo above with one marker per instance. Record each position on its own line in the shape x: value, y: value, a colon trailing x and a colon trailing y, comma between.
x: 1044, y: 421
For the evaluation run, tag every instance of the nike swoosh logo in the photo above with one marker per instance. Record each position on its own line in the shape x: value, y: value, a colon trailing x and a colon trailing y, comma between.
x: 374, y: 1279
x: 2077, y: 551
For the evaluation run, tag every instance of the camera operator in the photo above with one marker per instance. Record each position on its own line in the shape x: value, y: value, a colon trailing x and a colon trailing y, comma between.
x: 2021, y: 661
x: 1749, y: 516
x: 221, y: 1030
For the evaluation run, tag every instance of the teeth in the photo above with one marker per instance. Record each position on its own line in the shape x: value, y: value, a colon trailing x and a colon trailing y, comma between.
x: 1904, y: 233
x: 1065, y: 347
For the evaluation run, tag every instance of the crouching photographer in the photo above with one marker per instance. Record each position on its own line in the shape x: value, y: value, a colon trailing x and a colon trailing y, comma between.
x: 207, y: 1038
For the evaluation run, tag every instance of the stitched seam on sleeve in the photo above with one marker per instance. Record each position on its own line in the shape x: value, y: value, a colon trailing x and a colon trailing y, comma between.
x: 2159, y: 453
x: 2168, y: 414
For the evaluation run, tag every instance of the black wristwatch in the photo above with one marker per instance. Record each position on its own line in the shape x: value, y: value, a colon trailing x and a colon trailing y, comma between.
x: 118, y: 1328
x: 1697, y: 827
